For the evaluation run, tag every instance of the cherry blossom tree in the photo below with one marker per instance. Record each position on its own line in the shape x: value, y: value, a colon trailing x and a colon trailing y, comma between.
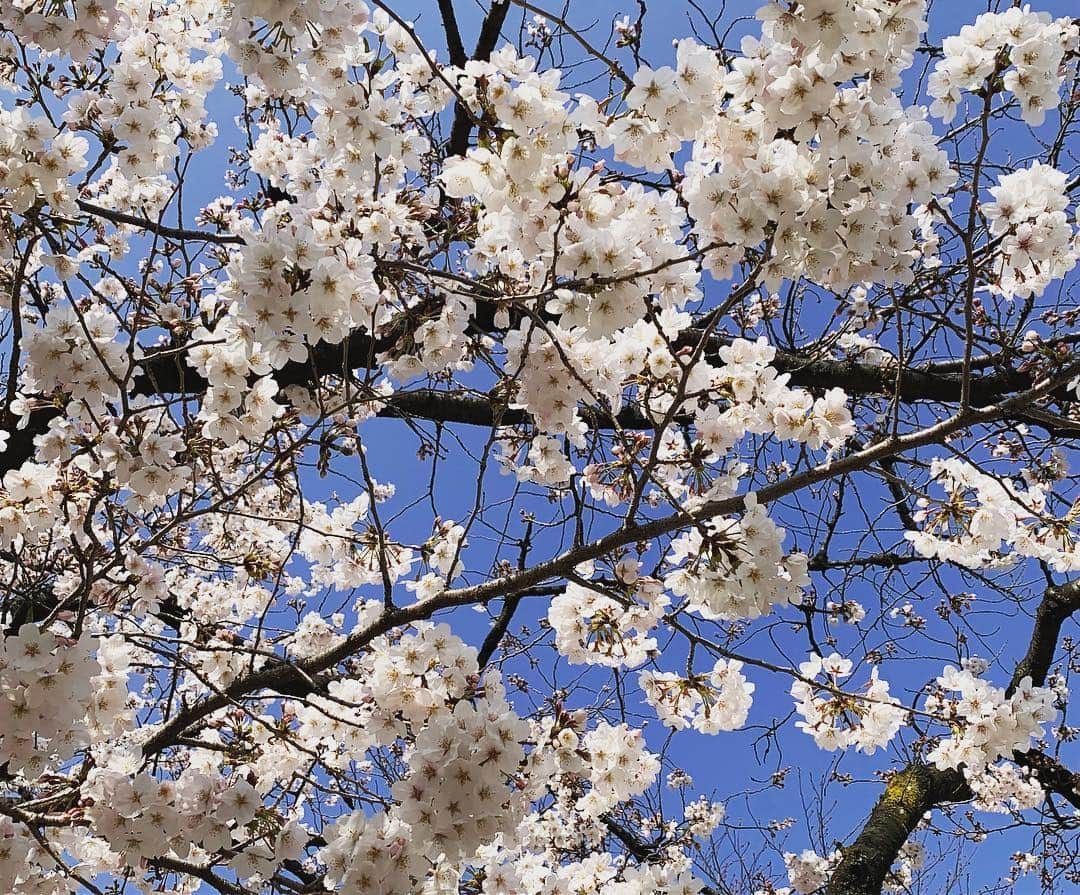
x: 430, y: 428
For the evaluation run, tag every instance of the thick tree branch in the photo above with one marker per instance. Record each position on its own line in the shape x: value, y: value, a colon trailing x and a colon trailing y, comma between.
x: 907, y: 797
x: 177, y: 233
x: 498, y: 630
x: 458, y: 144
x: 199, y: 871
x: 454, y: 46
x: 1055, y: 608
x: 167, y: 373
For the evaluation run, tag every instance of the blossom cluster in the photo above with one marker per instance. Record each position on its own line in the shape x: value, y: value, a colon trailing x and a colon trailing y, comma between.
x: 17, y: 848
x: 988, y: 724
x: 341, y: 556
x: 456, y: 796
x: 36, y: 160
x: 910, y: 859
x: 369, y: 854
x: 983, y: 513
x: 156, y: 97
x: 545, y: 460
x: 588, y: 771
x: 601, y: 873
x: 57, y: 700
x: 1004, y: 788
x: 709, y: 703
x: 867, y: 720
x: 737, y: 568
x: 746, y: 185
x: 167, y: 63
x: 1039, y: 243
x: 401, y: 683
x: 755, y: 398
x: 443, y: 554
x: 143, y: 817
x: 809, y: 871
x: 703, y: 817
x: 609, y: 626
x: 619, y: 767
x: 1037, y: 45
x: 77, y: 351
x: 454, y: 799
x: 77, y: 31
x: 276, y: 43
x: 30, y: 509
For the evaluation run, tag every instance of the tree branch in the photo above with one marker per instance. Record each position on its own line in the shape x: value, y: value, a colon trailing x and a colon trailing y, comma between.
x: 167, y: 373
x: 458, y: 144
x: 177, y: 233
x: 454, y: 45
x: 907, y: 797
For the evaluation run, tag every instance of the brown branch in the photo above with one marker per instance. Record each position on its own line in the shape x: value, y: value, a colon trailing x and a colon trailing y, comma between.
x: 454, y: 45
x: 1053, y: 776
x: 167, y: 373
x: 908, y: 795
x: 199, y: 871
x: 1056, y: 606
x: 177, y: 233
x: 16, y: 326
x: 458, y: 144
x: 498, y: 630
x: 613, y: 66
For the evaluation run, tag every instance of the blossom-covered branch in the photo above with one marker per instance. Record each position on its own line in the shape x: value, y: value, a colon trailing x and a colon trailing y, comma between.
x: 431, y: 441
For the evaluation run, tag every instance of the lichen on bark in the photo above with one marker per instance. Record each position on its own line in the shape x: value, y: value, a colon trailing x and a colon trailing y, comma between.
x: 908, y: 795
